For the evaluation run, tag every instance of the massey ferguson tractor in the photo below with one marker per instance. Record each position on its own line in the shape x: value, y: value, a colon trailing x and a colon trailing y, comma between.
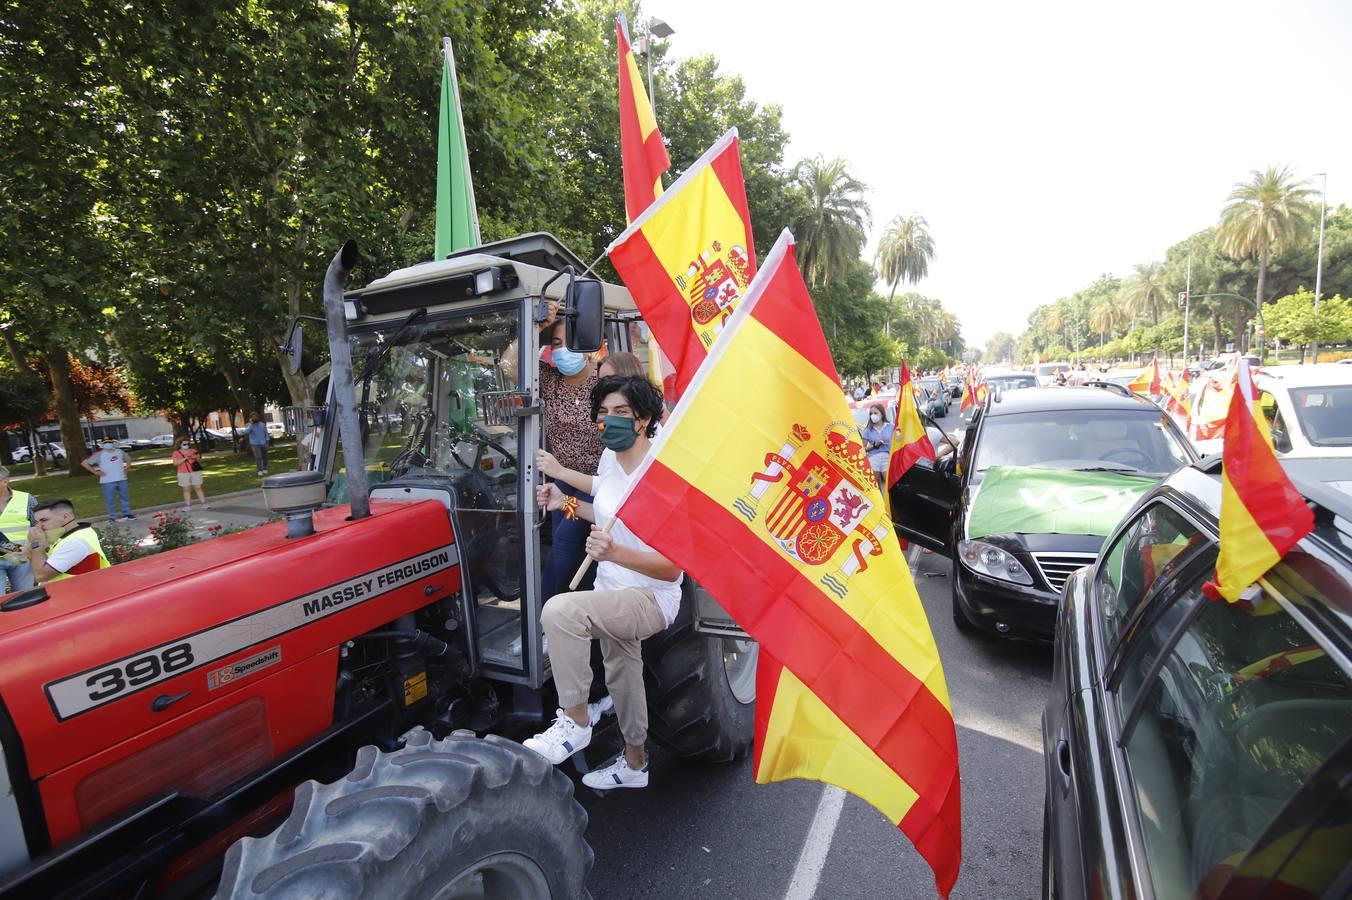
x: 325, y: 706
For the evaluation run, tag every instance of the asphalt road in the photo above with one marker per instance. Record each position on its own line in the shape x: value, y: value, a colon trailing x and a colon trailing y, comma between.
x: 710, y: 831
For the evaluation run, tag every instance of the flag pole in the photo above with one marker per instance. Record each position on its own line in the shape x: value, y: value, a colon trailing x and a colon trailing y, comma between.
x: 460, y: 117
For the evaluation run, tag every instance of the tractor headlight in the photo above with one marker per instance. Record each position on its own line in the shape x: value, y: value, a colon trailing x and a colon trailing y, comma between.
x: 487, y: 281
x: 991, y: 560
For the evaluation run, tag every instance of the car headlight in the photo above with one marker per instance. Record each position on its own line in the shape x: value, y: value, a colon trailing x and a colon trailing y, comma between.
x: 989, y: 559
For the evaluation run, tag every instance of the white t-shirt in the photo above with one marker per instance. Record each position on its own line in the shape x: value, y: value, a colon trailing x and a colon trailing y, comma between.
x: 112, y: 465
x: 608, y: 487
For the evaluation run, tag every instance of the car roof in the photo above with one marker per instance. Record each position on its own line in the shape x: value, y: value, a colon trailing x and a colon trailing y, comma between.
x: 1305, y: 376
x: 1048, y: 399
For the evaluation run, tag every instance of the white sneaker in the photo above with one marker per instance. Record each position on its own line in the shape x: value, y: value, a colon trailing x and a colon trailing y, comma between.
x: 603, y: 707
x: 617, y: 775
x: 560, y: 740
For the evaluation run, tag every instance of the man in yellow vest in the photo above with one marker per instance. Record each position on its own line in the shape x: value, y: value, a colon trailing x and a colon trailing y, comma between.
x: 16, y: 517
x: 62, y: 547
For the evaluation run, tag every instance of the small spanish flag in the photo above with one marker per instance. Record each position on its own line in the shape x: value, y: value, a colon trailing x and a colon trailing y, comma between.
x: 1148, y: 382
x: 909, y: 438
x: 1177, y: 400
x: 1262, y: 513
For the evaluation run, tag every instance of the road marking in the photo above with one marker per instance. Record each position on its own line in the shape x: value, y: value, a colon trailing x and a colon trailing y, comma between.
x: 817, y: 844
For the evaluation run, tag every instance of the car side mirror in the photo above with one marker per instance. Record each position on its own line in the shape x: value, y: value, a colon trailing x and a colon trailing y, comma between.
x: 584, y: 315
x: 1281, y: 441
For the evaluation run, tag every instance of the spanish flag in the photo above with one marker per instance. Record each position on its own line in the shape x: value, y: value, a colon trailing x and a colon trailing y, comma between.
x: 1262, y: 513
x: 1177, y: 400
x: 910, y: 441
x: 767, y: 499
x: 689, y: 257
x: 643, y: 154
x: 968, y: 393
x: 1148, y: 382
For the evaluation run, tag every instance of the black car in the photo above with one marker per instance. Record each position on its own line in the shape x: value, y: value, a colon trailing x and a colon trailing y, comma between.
x: 1041, y: 478
x: 1198, y: 748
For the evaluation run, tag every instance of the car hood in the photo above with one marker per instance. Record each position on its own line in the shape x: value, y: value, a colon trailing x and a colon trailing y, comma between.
x: 1026, y: 500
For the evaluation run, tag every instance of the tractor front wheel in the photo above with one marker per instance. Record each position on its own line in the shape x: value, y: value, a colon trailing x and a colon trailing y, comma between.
x: 701, y: 694
x: 453, y: 819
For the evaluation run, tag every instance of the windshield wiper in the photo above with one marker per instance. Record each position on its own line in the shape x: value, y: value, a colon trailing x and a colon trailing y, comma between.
x: 1120, y: 470
x: 377, y: 355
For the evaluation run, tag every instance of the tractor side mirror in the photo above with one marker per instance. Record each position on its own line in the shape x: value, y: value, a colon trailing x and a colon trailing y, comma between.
x: 584, y: 312
x: 293, y: 350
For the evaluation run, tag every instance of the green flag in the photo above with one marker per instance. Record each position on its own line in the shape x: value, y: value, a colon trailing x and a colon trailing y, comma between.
x: 457, y: 217
x: 1028, y: 500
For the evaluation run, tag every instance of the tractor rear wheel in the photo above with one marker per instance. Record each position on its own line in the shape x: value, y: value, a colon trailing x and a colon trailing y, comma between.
x: 701, y: 693
x: 449, y: 819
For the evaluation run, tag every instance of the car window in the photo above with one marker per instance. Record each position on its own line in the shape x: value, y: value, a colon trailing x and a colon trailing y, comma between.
x: 1134, y: 441
x: 1157, y: 544
x: 1244, y: 708
x: 1325, y: 414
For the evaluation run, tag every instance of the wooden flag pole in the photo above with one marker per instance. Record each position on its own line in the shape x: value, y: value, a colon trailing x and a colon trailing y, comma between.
x: 586, y: 563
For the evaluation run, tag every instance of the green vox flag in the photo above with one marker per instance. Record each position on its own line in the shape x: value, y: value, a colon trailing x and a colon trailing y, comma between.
x: 457, y: 217
x: 1029, y: 500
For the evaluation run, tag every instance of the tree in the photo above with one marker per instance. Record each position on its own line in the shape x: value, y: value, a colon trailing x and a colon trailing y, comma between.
x: 1145, y: 292
x: 833, y: 224
x: 1292, y: 320
x: 1267, y: 214
x: 1000, y: 348
x: 904, y: 252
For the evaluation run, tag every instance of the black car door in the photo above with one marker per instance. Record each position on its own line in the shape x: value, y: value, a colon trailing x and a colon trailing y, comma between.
x: 924, y: 500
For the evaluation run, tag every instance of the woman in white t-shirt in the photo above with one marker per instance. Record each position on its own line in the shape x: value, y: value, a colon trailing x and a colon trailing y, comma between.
x: 637, y: 591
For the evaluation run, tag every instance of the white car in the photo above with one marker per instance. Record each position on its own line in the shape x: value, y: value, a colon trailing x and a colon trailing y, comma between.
x: 1310, y: 408
x: 51, y: 451
x: 276, y: 430
x: 162, y: 440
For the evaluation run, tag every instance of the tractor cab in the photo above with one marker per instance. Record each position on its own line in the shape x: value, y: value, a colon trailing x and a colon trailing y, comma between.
x: 445, y: 369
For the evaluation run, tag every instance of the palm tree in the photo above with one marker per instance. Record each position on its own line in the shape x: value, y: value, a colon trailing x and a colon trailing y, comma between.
x: 1267, y: 214
x: 1145, y: 290
x: 904, y: 251
x: 831, y: 231
x: 1103, y: 318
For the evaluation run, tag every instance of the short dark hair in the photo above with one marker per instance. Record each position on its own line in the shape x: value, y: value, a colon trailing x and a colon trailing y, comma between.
x: 643, y: 396
x: 57, y: 504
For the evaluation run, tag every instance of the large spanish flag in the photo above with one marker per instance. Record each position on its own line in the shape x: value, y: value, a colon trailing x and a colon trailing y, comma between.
x: 689, y: 257
x: 910, y: 441
x: 766, y: 498
x: 643, y: 154
x: 1262, y: 513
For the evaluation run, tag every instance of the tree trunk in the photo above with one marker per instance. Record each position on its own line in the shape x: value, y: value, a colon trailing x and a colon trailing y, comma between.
x: 1262, y: 285
x: 1216, y: 329
x: 236, y: 385
x: 72, y: 435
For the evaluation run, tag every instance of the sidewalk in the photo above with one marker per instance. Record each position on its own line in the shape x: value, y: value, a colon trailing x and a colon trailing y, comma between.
x: 241, y: 509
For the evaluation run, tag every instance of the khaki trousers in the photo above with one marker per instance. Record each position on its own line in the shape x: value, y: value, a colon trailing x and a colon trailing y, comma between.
x: 619, y: 620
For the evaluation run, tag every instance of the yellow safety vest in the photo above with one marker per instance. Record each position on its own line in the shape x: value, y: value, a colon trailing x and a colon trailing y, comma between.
x: 14, y: 517
x: 90, y: 538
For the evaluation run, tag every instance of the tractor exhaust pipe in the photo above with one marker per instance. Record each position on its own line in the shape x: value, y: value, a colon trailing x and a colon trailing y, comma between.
x: 340, y: 374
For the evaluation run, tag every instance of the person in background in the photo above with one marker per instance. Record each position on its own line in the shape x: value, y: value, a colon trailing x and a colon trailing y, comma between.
x: 877, y: 437
x: 637, y: 595
x: 189, y: 468
x: 111, y: 465
x: 60, y: 547
x: 566, y: 383
x: 257, y: 434
x: 16, y: 518
x: 621, y: 363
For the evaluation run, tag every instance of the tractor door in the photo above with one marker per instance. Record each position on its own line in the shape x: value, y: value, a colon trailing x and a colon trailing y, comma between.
x: 447, y: 414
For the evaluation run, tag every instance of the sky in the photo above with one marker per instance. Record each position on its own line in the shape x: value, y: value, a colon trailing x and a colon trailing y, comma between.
x: 1045, y: 143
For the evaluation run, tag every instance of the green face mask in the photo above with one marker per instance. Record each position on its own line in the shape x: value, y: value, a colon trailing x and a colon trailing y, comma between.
x: 617, y: 432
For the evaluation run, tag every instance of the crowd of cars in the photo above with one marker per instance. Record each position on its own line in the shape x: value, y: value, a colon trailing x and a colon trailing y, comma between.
x: 1193, y: 748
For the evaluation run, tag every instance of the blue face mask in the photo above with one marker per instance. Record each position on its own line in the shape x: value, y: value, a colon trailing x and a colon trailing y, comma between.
x: 568, y: 362
x: 617, y: 433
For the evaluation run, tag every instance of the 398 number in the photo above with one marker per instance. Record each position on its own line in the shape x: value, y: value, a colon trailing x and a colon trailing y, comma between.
x: 142, y: 670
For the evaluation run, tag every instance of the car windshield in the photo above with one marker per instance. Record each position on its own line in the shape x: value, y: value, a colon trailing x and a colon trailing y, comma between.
x: 1108, y: 440
x: 1325, y: 414
x: 1011, y: 382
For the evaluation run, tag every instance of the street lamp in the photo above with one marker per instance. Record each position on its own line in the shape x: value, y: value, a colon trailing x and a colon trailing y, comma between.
x: 656, y: 29
x: 1319, y: 267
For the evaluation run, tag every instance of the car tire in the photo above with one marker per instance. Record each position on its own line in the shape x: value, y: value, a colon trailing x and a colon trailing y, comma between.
x: 450, y: 818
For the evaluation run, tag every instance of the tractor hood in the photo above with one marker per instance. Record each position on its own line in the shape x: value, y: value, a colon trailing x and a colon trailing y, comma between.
x: 94, y: 664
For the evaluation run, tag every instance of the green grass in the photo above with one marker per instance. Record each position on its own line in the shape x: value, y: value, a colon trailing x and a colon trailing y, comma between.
x: 154, y: 482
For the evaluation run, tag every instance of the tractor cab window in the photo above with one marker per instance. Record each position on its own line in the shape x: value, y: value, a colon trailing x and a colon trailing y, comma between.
x: 437, y: 401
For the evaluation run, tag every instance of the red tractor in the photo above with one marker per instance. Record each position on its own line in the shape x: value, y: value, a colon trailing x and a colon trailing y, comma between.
x: 160, y: 718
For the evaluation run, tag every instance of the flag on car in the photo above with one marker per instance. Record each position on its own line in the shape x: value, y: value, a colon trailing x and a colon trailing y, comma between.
x: 1262, y: 513
x: 457, y: 218
x: 910, y: 441
x: 690, y: 256
x: 642, y: 152
x: 1148, y: 382
x: 1177, y: 400
x: 767, y: 499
